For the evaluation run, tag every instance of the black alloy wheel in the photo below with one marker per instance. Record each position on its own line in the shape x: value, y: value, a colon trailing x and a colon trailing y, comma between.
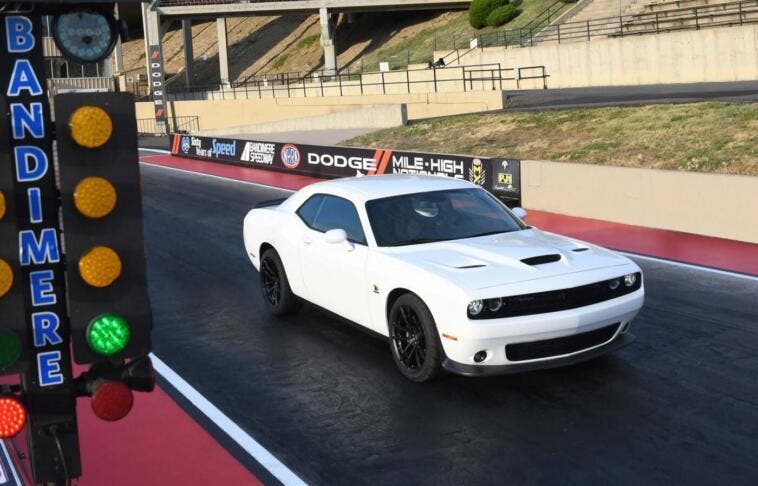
x: 275, y: 287
x: 413, y: 339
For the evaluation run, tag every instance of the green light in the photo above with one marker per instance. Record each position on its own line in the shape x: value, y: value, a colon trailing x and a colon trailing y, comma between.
x: 108, y: 334
x: 10, y: 348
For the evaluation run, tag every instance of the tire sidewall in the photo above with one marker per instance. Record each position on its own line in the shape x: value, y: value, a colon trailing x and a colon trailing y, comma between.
x: 433, y: 358
x: 288, y: 302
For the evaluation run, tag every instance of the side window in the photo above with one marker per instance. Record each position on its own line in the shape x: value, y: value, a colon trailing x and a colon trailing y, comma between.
x: 309, y: 209
x: 336, y: 212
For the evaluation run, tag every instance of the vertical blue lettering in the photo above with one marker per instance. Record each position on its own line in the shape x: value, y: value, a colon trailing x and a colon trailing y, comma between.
x: 31, y: 121
x: 18, y: 34
x: 23, y: 78
x: 44, y: 250
x: 45, y: 329
x: 24, y: 154
x: 42, y: 288
x: 35, y: 204
x: 49, y: 368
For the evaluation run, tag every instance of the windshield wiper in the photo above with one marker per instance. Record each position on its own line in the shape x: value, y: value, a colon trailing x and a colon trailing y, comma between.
x: 415, y: 241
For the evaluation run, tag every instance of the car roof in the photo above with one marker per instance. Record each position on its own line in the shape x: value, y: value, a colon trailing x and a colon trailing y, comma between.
x: 375, y: 187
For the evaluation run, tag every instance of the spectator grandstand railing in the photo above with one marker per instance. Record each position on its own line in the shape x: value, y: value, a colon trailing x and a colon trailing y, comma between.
x: 176, y: 124
x: 454, y: 79
x: 652, y: 21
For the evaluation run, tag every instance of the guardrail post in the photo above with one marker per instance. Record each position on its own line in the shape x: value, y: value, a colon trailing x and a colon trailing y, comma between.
x: 739, y: 7
x: 697, y: 21
x: 588, y: 30
x: 321, y: 81
x: 559, y: 33
x: 260, y: 95
x: 463, y: 78
x: 656, y: 22
x: 434, y: 73
x: 384, y: 89
x: 531, y: 37
x: 408, y: 80
x: 360, y: 80
x: 339, y: 82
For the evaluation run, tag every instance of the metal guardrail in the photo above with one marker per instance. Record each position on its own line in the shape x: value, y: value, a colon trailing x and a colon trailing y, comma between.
x: 468, y: 78
x: 690, y: 18
x: 176, y: 124
x: 93, y: 84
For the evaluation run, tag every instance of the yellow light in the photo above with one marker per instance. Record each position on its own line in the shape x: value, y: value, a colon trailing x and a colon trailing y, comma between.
x: 95, y: 197
x: 2, y: 205
x: 90, y: 126
x: 100, y: 267
x: 6, y: 278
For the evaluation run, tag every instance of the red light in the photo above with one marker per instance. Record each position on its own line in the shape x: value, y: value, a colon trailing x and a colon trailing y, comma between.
x: 112, y: 401
x: 12, y: 417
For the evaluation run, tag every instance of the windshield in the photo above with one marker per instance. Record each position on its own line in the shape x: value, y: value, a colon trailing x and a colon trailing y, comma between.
x: 426, y: 217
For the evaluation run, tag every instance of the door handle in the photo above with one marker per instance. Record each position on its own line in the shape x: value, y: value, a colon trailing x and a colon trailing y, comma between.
x: 307, y: 240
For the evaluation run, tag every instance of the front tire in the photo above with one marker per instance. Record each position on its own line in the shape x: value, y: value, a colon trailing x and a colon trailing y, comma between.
x: 275, y: 288
x: 414, y: 341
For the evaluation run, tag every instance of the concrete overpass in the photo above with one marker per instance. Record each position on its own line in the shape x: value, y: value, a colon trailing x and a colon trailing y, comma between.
x: 186, y: 10
x: 226, y: 8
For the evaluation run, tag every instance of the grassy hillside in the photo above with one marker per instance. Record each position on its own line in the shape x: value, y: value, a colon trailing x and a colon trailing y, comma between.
x: 291, y: 43
x: 704, y: 137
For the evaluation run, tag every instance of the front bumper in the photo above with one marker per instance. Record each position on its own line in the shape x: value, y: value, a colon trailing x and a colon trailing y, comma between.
x: 619, y: 341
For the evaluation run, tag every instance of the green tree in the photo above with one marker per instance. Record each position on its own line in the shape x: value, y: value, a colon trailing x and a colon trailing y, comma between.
x: 480, y: 10
x: 502, y: 15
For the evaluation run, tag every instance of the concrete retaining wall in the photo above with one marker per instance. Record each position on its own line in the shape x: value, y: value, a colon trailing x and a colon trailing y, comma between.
x: 693, y: 56
x: 376, y: 117
x: 231, y: 113
x: 708, y: 204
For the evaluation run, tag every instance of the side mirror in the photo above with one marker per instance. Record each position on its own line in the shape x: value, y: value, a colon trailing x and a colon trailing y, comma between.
x: 519, y: 212
x: 338, y: 236
x: 335, y: 236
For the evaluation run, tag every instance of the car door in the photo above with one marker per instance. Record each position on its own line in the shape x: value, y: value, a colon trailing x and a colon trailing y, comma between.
x: 334, y: 274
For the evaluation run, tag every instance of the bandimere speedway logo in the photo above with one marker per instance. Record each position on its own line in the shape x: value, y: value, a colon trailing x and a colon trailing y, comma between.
x: 258, y: 153
x: 476, y: 173
x: 290, y: 155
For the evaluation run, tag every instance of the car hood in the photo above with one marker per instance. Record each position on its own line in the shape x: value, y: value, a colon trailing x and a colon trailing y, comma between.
x: 488, y: 261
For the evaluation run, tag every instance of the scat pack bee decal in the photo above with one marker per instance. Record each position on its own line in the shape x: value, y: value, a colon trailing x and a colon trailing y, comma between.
x: 476, y: 173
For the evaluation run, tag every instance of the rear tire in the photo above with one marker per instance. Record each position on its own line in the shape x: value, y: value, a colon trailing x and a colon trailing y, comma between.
x: 275, y: 288
x: 414, y: 340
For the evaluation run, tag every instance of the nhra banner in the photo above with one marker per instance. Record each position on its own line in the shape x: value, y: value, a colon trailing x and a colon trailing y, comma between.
x: 502, y: 177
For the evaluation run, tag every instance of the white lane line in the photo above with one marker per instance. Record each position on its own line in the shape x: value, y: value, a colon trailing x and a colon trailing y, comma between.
x: 633, y: 255
x: 158, y: 151
x: 250, y: 445
x: 690, y: 266
x: 226, y: 179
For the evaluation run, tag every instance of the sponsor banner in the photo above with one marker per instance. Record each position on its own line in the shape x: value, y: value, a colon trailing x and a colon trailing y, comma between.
x: 157, y: 85
x: 500, y: 176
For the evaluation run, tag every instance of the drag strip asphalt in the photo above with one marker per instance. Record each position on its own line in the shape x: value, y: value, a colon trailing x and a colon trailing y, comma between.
x: 680, y: 405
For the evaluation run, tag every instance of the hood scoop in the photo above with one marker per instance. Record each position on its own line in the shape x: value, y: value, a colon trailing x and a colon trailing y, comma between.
x: 580, y: 249
x: 541, y: 260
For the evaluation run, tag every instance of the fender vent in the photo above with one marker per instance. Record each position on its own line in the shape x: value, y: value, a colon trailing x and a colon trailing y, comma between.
x: 540, y: 260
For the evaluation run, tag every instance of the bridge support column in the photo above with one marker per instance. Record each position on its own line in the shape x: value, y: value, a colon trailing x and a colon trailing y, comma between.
x: 327, y: 41
x: 189, y: 71
x: 223, y: 54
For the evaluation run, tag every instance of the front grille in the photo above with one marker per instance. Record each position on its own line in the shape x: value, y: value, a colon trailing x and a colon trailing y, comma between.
x: 559, y: 300
x: 560, y: 346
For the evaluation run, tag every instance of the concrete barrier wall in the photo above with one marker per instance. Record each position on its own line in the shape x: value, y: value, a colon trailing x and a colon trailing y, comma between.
x: 708, y: 204
x: 230, y: 113
x: 376, y: 117
x: 692, y: 56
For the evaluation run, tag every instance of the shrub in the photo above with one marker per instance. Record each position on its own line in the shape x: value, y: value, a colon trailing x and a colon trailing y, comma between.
x: 480, y: 9
x: 502, y: 15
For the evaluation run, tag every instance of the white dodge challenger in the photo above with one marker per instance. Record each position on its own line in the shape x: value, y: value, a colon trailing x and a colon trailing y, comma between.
x: 443, y: 269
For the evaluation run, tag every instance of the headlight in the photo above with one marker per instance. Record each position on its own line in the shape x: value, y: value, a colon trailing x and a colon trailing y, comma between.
x: 494, y: 305
x: 475, y: 307
x: 630, y: 280
x: 614, y: 284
